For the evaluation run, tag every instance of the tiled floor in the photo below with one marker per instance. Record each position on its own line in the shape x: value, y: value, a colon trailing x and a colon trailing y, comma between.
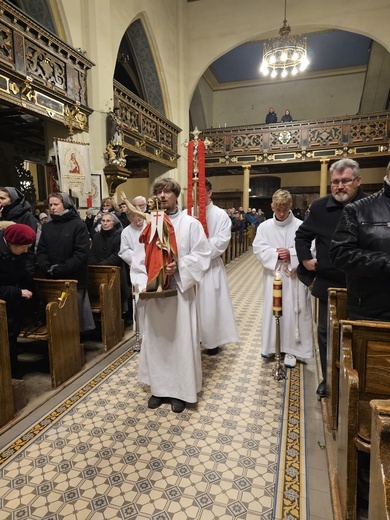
x: 245, y: 451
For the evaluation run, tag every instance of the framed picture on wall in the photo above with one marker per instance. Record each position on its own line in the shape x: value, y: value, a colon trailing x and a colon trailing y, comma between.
x: 74, y: 169
x: 96, y: 190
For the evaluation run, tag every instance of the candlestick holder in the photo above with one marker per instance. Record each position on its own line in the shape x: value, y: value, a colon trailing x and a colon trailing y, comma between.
x: 279, y: 372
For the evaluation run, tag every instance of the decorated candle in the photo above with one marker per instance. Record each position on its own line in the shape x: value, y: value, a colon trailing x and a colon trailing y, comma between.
x: 277, y: 296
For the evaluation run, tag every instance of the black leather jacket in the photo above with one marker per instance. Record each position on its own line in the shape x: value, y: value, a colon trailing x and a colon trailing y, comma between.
x: 361, y: 247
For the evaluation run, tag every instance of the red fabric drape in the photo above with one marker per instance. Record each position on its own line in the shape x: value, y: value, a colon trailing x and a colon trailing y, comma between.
x: 202, y: 199
x: 190, y: 195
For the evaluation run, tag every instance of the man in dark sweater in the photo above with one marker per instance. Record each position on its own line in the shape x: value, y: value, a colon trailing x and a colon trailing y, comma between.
x: 320, y: 225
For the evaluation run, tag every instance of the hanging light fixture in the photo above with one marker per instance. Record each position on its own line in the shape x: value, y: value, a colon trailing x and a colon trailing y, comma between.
x: 286, y: 54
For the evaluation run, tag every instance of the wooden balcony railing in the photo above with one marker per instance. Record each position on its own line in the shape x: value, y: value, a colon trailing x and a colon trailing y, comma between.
x: 147, y: 133
x: 41, y: 73
x: 259, y: 144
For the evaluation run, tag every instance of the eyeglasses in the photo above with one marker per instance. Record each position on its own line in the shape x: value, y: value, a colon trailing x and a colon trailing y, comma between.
x: 342, y: 181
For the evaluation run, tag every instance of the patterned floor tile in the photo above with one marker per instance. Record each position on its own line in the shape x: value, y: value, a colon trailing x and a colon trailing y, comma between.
x: 103, y: 454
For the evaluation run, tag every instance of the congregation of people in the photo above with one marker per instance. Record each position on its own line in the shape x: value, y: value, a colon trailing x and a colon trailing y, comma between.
x: 331, y: 247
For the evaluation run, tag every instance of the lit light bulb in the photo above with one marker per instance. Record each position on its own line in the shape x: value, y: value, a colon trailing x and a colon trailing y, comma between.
x: 283, y: 56
x: 264, y: 68
x: 294, y: 71
x: 272, y: 59
x: 274, y: 74
x: 284, y: 73
x: 295, y: 56
x: 304, y: 64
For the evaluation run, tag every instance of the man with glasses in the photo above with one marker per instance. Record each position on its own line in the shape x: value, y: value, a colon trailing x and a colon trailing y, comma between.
x: 141, y: 203
x: 320, y: 225
x: 361, y: 248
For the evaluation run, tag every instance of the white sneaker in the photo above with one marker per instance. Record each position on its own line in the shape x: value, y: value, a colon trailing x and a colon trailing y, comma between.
x: 290, y: 361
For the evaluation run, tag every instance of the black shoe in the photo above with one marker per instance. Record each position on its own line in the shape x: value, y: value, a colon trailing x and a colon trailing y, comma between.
x: 155, y: 402
x: 212, y: 351
x: 177, y: 405
x: 321, y: 390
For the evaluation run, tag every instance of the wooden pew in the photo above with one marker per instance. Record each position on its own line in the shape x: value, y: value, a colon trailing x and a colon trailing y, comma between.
x: 337, y: 299
x: 379, y: 498
x: 6, y: 394
x: 61, y: 330
x: 364, y: 375
x: 234, y: 243
x: 105, y: 296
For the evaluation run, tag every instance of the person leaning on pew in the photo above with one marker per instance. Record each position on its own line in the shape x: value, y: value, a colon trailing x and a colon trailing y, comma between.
x: 16, y: 279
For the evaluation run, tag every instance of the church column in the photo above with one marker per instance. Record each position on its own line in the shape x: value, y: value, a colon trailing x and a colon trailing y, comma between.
x: 324, y: 177
x: 245, y: 188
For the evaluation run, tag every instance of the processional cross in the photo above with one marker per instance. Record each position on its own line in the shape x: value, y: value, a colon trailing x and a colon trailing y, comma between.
x: 196, y: 191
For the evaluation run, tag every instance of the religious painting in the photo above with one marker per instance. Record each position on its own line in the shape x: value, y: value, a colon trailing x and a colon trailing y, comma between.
x: 96, y: 190
x: 74, y: 170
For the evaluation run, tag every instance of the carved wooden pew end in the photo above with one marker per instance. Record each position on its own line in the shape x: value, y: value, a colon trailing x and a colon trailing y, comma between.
x: 364, y: 376
x: 379, y: 498
x: 61, y: 330
x: 105, y: 296
x: 337, y: 299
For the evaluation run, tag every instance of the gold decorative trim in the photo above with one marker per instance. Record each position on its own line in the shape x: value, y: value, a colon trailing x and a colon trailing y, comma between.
x: 291, y: 493
x: 46, y: 422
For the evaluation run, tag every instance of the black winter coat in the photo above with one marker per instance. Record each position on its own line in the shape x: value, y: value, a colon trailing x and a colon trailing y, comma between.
x: 320, y: 225
x: 361, y: 248
x: 271, y: 118
x: 104, y: 251
x: 64, y: 243
x: 105, y: 248
x: 16, y: 273
x: 19, y: 211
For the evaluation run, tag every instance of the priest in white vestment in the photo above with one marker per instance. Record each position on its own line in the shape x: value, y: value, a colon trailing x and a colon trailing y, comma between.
x: 170, y: 360
x: 216, y: 315
x: 274, y: 246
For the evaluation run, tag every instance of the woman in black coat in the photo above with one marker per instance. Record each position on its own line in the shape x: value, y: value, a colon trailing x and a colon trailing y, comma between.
x: 286, y: 118
x: 108, y: 205
x: 63, y: 251
x: 16, y: 279
x: 105, y: 248
x: 14, y: 206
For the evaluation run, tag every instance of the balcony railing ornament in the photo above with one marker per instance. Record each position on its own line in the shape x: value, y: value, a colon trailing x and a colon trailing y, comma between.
x: 74, y: 118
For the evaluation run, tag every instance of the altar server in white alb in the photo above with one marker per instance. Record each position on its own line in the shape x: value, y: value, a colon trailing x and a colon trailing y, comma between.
x: 274, y: 246
x: 216, y: 316
x: 170, y: 360
x: 129, y: 243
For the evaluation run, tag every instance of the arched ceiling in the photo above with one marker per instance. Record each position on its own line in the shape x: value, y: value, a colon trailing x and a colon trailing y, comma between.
x: 327, y: 51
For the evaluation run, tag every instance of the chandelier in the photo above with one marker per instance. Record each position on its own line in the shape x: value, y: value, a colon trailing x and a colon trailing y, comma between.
x: 285, y: 54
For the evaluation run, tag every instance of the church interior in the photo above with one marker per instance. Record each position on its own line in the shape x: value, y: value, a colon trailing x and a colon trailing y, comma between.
x: 79, y: 441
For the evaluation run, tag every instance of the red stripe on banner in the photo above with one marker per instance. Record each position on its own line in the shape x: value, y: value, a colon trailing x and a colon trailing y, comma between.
x: 190, y: 196
x: 202, y: 199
